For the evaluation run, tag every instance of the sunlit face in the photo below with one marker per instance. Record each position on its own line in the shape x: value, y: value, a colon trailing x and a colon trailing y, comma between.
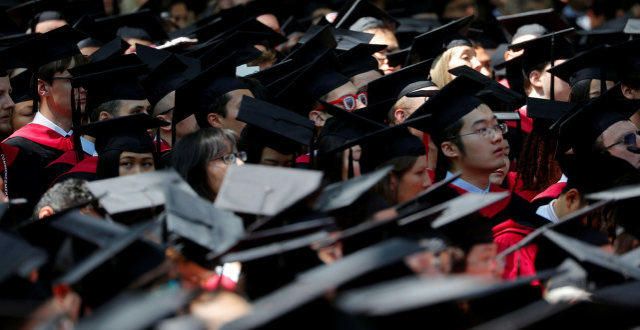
x: 135, y: 163
x: 414, y: 181
x: 384, y: 37
x: 464, y: 55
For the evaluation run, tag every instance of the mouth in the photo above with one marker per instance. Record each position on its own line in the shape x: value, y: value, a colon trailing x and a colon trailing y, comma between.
x: 499, y: 172
x: 499, y: 152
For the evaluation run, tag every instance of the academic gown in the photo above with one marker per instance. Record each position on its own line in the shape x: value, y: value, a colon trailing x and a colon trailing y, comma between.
x: 20, y: 178
x: 512, y: 219
x: 84, y: 170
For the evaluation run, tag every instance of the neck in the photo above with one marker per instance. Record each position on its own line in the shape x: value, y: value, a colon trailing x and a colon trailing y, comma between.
x: 478, y: 179
x: 47, y: 112
x: 536, y: 93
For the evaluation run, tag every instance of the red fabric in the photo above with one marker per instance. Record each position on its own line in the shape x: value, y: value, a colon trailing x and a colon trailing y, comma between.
x: 44, y: 136
x: 211, y: 284
x: 164, y: 145
x: 506, y: 234
x: 516, y: 187
x: 87, y: 165
x: 68, y: 157
x: 425, y: 141
x: 522, y: 261
x: 303, y: 159
x: 526, y: 123
x: 552, y: 192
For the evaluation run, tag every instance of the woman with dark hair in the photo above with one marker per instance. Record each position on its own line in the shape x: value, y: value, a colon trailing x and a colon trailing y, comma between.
x: 407, y: 179
x: 202, y: 159
x: 123, y: 145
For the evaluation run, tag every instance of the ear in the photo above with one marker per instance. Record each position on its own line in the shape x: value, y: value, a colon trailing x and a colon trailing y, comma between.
x: 317, y: 118
x: 628, y: 92
x: 45, y: 211
x: 573, y: 200
x: 449, y: 149
x: 214, y: 120
x: 400, y: 115
x: 43, y: 88
x: 104, y: 116
x: 535, y: 78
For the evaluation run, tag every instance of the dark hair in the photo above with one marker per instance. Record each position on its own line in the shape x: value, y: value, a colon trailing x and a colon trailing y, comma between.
x: 193, y: 153
x: 450, y: 133
x: 219, y: 104
x: 47, y: 71
x: 110, y: 107
x: 580, y: 91
x: 109, y: 160
x: 400, y: 166
x: 64, y: 195
x: 537, y: 164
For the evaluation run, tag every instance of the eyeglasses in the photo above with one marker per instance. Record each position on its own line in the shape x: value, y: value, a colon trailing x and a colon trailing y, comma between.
x: 232, y: 158
x: 348, y: 101
x: 488, y: 132
x: 628, y: 140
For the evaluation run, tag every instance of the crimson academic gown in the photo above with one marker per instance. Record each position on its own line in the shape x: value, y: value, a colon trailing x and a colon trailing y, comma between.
x: 512, y: 219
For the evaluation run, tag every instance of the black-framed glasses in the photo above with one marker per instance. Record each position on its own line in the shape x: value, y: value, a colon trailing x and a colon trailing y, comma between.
x: 627, y: 140
x: 232, y: 158
x: 489, y: 132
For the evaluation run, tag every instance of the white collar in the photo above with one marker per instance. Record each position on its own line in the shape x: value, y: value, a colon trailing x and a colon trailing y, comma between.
x: 40, y: 119
x: 469, y: 187
x: 548, y: 212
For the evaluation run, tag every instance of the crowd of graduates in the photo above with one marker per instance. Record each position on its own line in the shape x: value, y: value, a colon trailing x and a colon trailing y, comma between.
x: 289, y: 164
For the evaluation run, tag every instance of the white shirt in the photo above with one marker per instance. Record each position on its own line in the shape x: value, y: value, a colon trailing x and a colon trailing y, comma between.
x: 40, y: 119
x: 547, y: 212
x: 467, y: 186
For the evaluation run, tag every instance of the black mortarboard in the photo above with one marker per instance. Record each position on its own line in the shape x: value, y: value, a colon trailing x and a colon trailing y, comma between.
x: 198, y: 230
x: 313, y: 44
x: 547, y: 110
x: 341, y: 194
x: 596, y: 63
x: 399, y: 57
x: 496, y: 96
x: 240, y: 43
x: 142, y: 25
x: 21, y: 87
x: 135, y: 192
x: 168, y: 74
x: 431, y: 44
x: 271, y: 74
x: 30, y: 13
x: 265, y: 190
x: 354, y: 10
x: 19, y: 257
x: 544, y: 49
x: 316, y: 281
x: 453, y: 102
x: 412, y: 27
x: 276, y: 248
x: 110, y: 80
x: 359, y: 59
x: 111, y: 49
x: 277, y: 123
x: 581, y: 129
x: 138, y: 310
x: 48, y: 47
x: 548, y: 18
x: 593, y: 38
x: 344, y: 39
x: 311, y: 82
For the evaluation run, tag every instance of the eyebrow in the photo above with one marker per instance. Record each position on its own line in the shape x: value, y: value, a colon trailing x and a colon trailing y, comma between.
x: 480, y: 121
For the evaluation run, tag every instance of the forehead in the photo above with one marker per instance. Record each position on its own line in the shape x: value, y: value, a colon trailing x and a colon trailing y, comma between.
x: 348, y: 88
x: 619, y: 129
x: 480, y: 114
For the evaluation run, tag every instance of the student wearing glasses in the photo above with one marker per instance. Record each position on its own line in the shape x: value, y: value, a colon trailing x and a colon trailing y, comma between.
x: 203, y: 157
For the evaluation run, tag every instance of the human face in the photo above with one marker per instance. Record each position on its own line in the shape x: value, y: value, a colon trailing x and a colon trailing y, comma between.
x: 485, y: 60
x: 133, y: 107
x: 483, y: 155
x: 342, y: 91
x: 464, y: 55
x: 594, y: 87
x: 481, y: 260
x: 6, y: 106
x: 384, y: 37
x: 180, y: 15
x: 22, y: 114
x: 561, y: 88
x: 356, y: 153
x: 186, y: 126
x: 59, y: 96
x: 497, y: 177
x: 272, y: 157
x: 615, y: 134
x: 232, y: 108
x: 217, y: 169
x: 414, y: 181
x: 88, y: 51
x: 135, y: 163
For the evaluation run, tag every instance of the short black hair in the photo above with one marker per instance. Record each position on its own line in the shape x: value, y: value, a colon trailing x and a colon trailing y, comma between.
x: 110, y: 107
x: 450, y: 133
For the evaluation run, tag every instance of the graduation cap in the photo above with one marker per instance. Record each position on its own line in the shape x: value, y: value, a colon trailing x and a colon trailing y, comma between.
x: 359, y: 59
x: 21, y: 87
x: 274, y: 127
x: 592, y: 64
x: 497, y: 97
x: 112, y: 49
x: 110, y: 80
x: 265, y: 190
x: 398, y: 57
x: 240, y: 43
x: 593, y: 38
x: 583, y: 126
x: 433, y: 43
x: 311, y: 284
x: 48, y: 47
x: 143, y: 25
x: 19, y: 257
x: 135, y: 192
x: 547, y: 110
x: 412, y: 27
x: 354, y: 10
x: 632, y: 26
x: 453, y: 102
x: 198, y: 230
x: 30, y: 13
x: 344, y: 39
x: 546, y: 48
x: 269, y: 250
x: 138, y: 309
x: 271, y: 74
x: 313, y: 44
x: 548, y: 18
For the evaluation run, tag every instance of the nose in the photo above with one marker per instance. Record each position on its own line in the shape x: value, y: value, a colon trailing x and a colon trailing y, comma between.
x: 239, y: 162
x: 359, y: 104
x: 497, y: 136
x: 475, y: 64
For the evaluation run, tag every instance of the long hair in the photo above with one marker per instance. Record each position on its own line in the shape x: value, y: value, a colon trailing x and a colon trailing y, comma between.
x: 193, y: 153
x: 440, y: 69
x: 537, y: 164
x: 400, y: 166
